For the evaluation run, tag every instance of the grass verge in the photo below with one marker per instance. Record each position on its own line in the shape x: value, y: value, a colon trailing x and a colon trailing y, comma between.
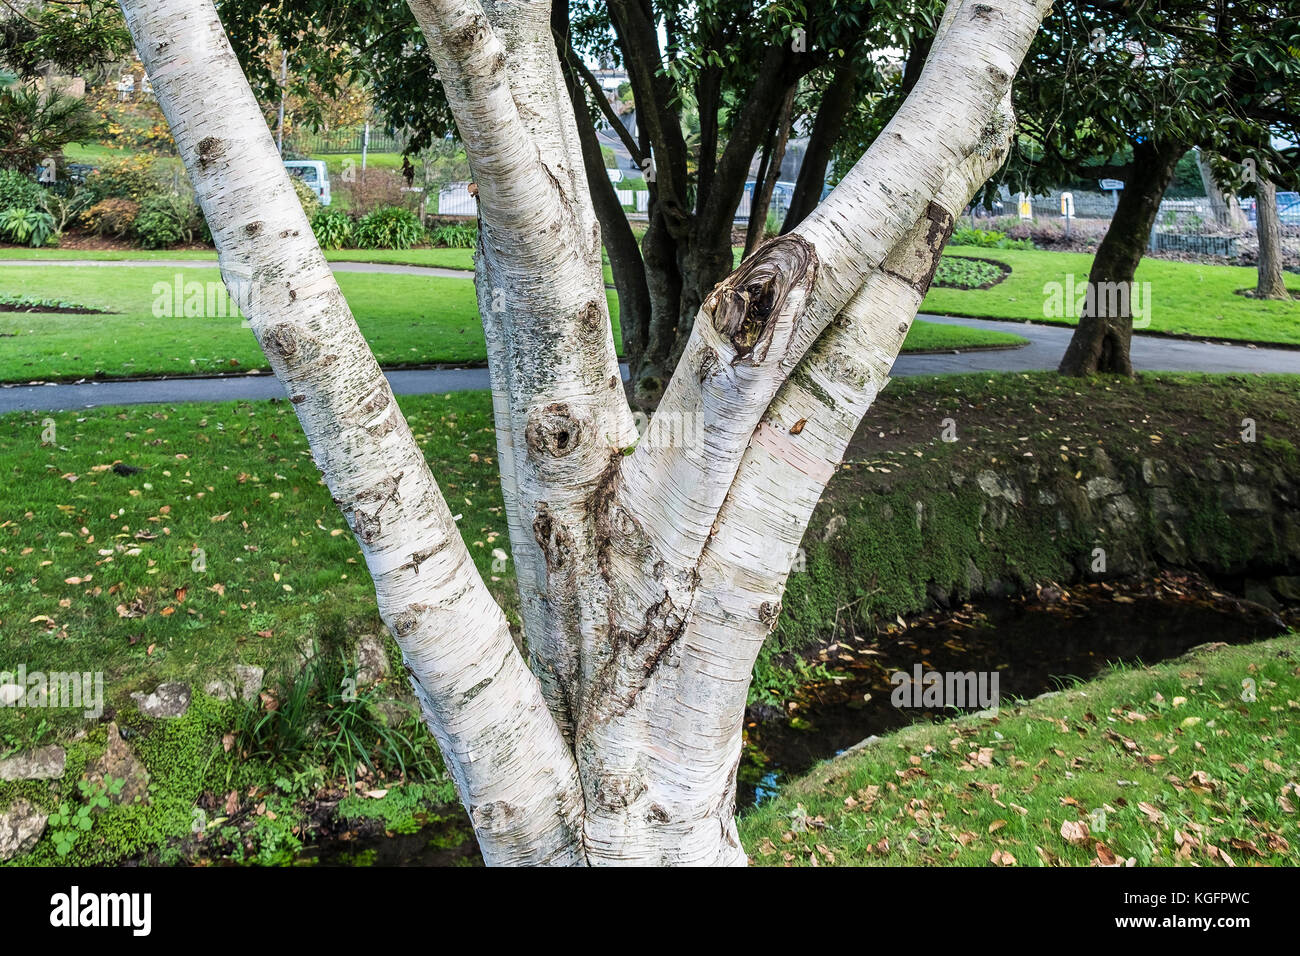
x: 1186, y: 298
x: 1174, y: 764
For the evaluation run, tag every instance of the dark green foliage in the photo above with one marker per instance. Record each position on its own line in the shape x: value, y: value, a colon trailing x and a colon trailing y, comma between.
x: 389, y: 227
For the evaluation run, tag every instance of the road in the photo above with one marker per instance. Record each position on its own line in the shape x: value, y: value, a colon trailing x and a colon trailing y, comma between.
x: 1044, y: 351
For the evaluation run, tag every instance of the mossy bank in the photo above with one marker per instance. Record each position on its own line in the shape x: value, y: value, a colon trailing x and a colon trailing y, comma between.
x: 989, y: 485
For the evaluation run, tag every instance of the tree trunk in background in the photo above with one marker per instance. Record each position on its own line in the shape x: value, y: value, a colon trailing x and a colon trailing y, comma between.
x: 768, y: 174
x: 620, y: 242
x: 649, y: 571
x: 1101, y: 341
x: 1269, y: 230
x: 1225, y: 207
x: 836, y: 102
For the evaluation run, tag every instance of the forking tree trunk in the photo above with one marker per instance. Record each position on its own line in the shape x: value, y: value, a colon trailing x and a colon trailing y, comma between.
x: 1268, y: 227
x: 1101, y: 341
x: 649, y: 571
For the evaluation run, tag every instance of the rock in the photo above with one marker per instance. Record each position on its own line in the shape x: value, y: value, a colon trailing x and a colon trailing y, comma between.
x: 219, y: 689
x: 974, y: 580
x: 1257, y: 592
x: 167, y: 700
x: 43, y: 763
x: 1045, y: 497
x: 862, y: 744
x: 395, y: 712
x: 1155, y: 472
x: 1120, y: 512
x: 1169, y: 543
x: 1245, y: 498
x: 120, y: 762
x: 1102, y: 487
x: 1287, y: 587
x: 21, y: 825
x: 372, y: 660
x: 250, y: 679
x: 997, y: 487
x: 1101, y: 461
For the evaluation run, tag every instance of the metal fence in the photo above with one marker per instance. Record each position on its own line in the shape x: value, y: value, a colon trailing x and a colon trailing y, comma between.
x: 349, y: 140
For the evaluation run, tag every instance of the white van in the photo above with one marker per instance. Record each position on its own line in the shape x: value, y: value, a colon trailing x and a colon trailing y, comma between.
x: 314, y: 174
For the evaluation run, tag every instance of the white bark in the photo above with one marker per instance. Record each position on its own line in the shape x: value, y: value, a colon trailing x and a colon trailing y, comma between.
x: 515, y: 774
x: 648, y: 580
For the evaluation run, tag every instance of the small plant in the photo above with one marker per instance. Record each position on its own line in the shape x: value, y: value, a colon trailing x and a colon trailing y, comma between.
x: 166, y: 220
x: 454, y: 236
x: 389, y: 227
x: 68, y: 823
x: 987, y: 239
x: 315, y: 718
x: 31, y: 227
x: 956, y: 272
x: 111, y: 217
x: 17, y: 190
x: 774, y: 683
x: 306, y: 196
x: 64, y: 207
x: 333, y: 228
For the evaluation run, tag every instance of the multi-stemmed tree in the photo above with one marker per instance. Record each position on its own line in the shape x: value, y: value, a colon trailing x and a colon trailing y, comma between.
x: 650, y: 571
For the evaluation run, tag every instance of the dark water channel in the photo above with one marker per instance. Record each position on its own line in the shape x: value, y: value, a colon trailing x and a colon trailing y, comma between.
x: 1036, y: 644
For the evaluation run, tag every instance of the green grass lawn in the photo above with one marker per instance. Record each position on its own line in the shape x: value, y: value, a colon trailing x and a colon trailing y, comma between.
x: 1166, y: 765
x: 1187, y: 298
x: 440, y: 258
x: 98, y: 570
x: 408, y: 320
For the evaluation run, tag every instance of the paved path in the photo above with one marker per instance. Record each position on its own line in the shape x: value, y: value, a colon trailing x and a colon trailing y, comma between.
x: 1047, y: 345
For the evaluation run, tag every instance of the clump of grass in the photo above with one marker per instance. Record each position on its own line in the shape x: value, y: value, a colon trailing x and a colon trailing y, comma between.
x: 316, y: 718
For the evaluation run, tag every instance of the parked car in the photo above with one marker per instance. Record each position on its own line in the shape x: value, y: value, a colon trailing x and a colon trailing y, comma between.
x: 314, y: 174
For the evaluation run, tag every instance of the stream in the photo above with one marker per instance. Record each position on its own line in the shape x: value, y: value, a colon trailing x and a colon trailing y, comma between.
x: 1035, y: 644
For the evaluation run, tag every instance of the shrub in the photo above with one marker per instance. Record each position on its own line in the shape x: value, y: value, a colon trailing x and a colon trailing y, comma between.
x: 307, y: 196
x: 987, y: 239
x: 111, y: 217
x: 31, y: 227
x: 64, y: 205
x: 333, y: 228
x: 18, y: 191
x: 164, y: 221
x: 390, y: 227
x: 454, y: 235
x: 130, y: 178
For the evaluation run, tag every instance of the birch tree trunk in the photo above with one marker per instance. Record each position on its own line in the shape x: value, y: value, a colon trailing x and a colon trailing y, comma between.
x: 650, y: 568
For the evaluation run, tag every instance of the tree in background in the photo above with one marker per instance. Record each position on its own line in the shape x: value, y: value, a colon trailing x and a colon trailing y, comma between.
x: 36, y: 43
x: 1148, y: 82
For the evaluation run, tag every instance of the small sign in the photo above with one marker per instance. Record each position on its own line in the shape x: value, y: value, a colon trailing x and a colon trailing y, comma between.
x: 1067, y: 205
x: 1026, y: 210
x: 1112, y: 184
